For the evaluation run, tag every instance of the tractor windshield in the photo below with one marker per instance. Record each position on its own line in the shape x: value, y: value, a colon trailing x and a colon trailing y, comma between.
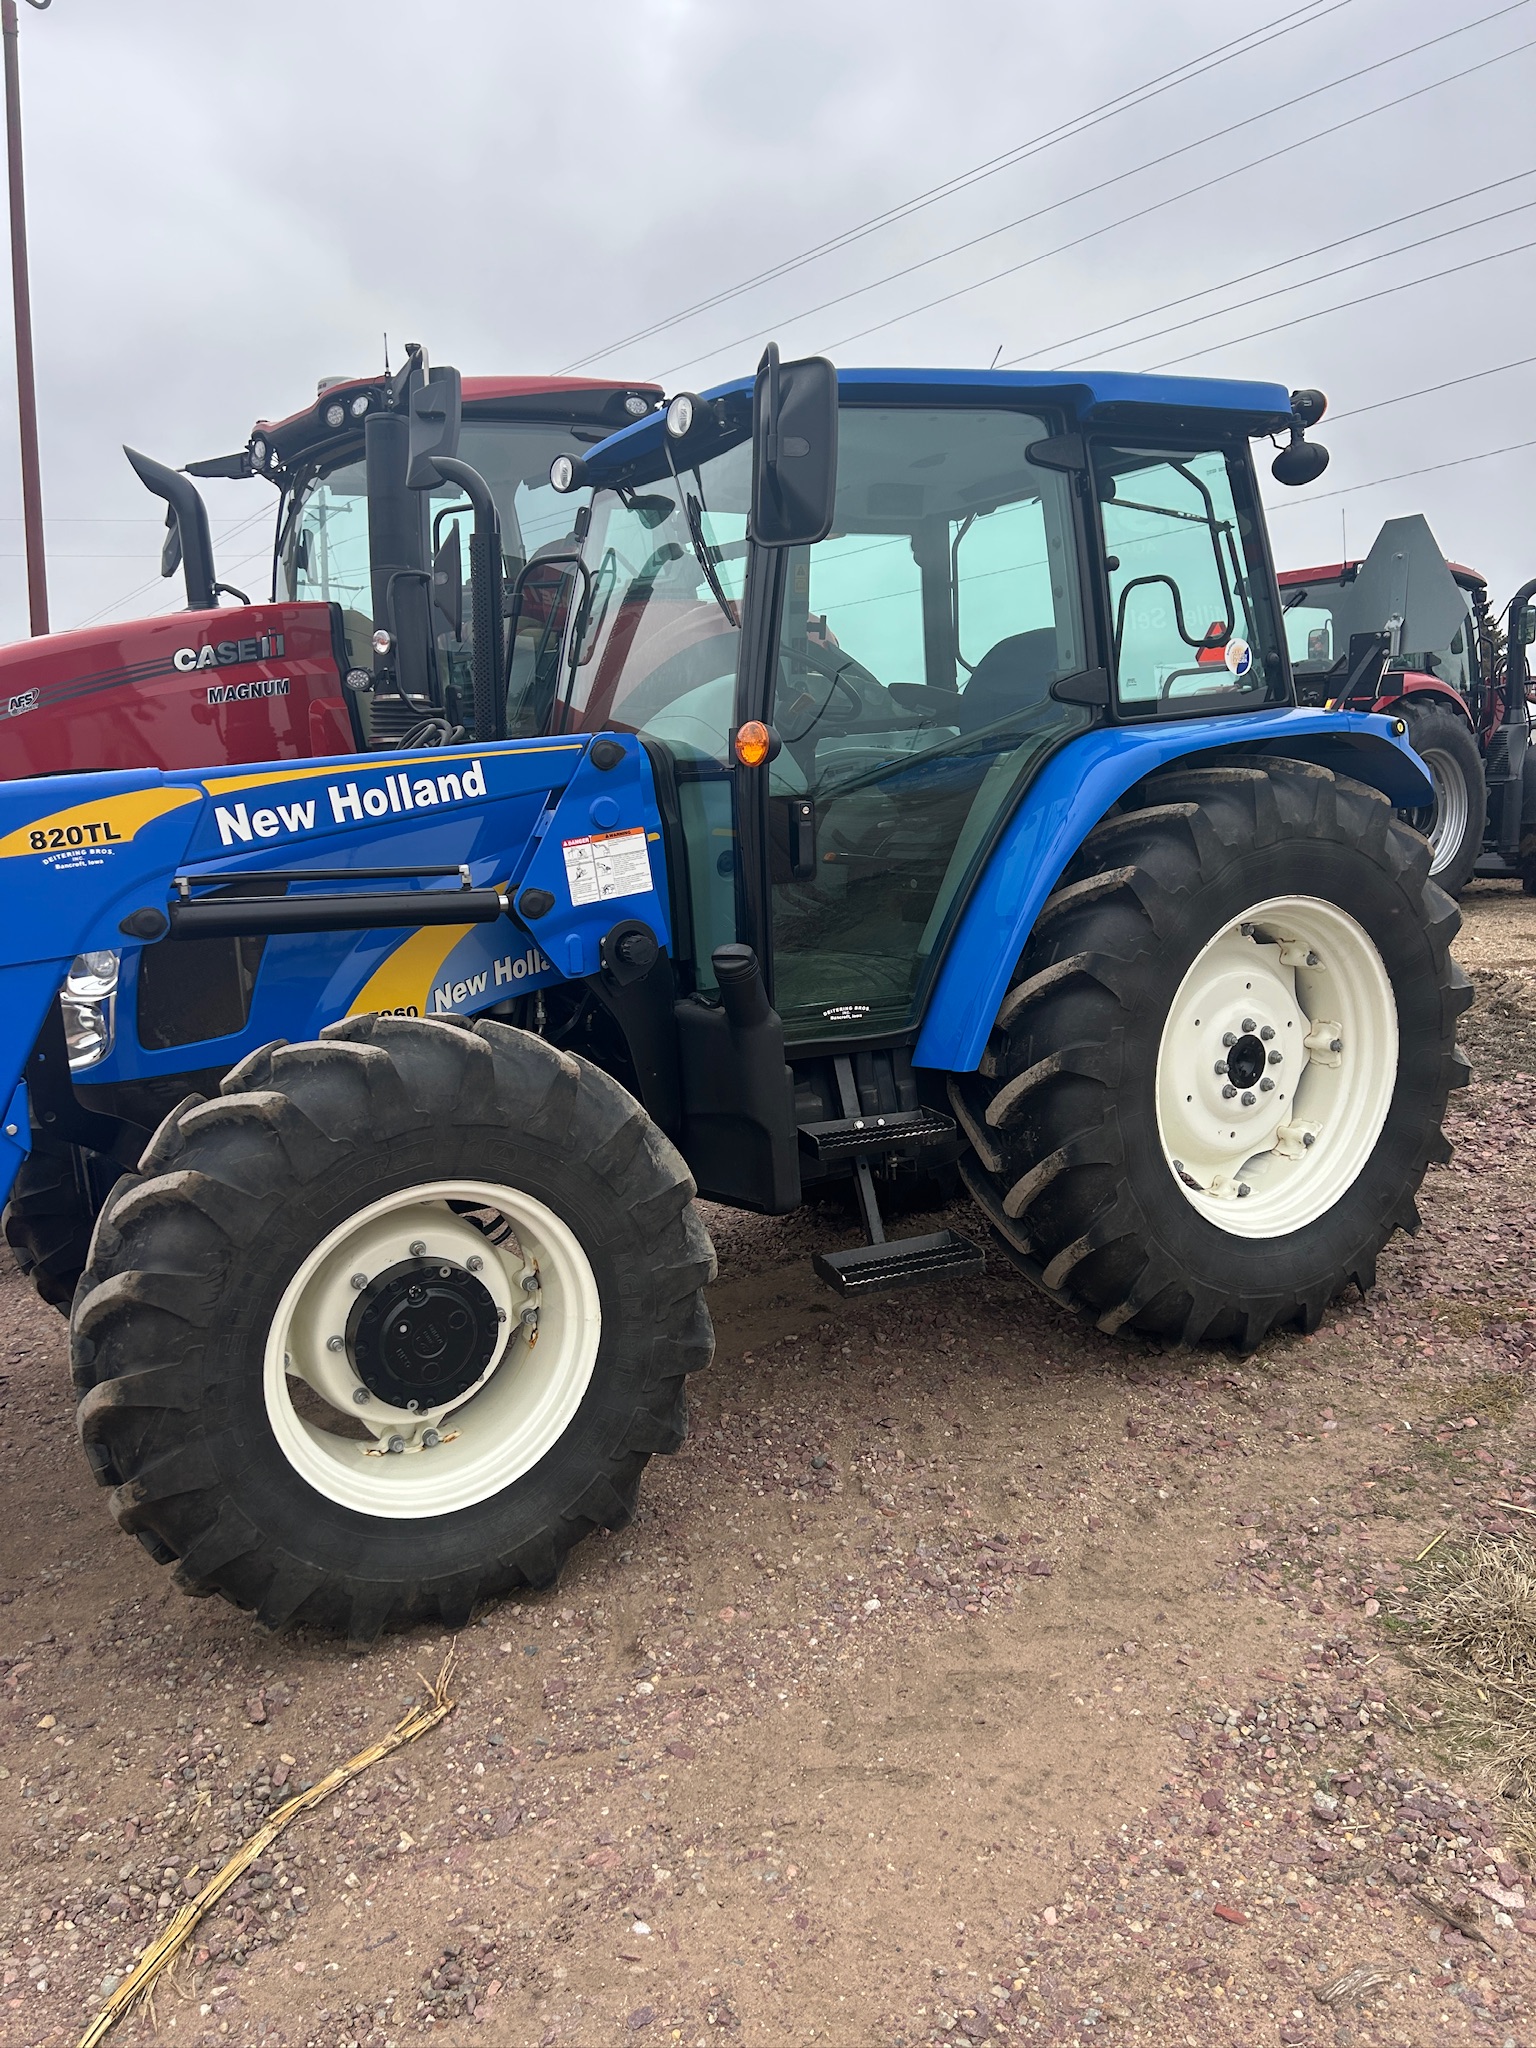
x: 322, y: 550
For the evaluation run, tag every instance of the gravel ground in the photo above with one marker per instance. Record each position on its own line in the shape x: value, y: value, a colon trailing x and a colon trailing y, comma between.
x: 968, y: 1676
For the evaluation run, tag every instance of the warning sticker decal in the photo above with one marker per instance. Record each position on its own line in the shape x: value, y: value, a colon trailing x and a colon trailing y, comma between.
x: 608, y: 864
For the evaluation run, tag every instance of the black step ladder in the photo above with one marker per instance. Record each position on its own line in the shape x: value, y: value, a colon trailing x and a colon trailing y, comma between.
x: 904, y: 1134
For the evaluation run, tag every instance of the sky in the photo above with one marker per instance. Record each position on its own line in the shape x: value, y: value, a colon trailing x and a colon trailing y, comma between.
x: 227, y: 202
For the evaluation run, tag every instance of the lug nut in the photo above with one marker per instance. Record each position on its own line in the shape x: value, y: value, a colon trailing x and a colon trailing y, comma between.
x: 1248, y: 1099
x: 1247, y: 1023
x: 430, y: 1440
x: 474, y: 1262
x: 1243, y: 1189
x: 1228, y: 1092
x: 1221, y: 1066
x: 1266, y: 1032
x: 1313, y: 961
x: 335, y: 1343
x: 529, y: 1319
x: 1335, y: 1045
x: 1275, y: 1058
x: 1266, y: 1085
x: 359, y: 1281
x: 1309, y: 1138
x: 530, y: 1283
x: 419, y: 1248
x: 360, y: 1396
x: 395, y: 1446
x: 1229, y: 1038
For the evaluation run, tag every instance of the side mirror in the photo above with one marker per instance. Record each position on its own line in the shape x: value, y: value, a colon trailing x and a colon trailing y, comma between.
x: 436, y: 407
x: 794, y: 451
x: 1300, y: 461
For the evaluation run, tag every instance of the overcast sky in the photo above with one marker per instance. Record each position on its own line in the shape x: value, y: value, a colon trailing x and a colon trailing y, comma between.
x: 230, y: 198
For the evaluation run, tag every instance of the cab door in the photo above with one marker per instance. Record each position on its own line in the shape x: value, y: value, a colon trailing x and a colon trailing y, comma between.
x: 918, y: 647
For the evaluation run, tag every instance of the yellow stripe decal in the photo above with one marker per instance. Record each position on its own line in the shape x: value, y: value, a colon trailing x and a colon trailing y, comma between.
x: 105, y: 821
x: 220, y: 785
x: 404, y: 980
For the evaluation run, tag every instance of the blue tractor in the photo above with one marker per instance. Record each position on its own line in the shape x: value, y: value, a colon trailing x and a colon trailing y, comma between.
x: 919, y: 789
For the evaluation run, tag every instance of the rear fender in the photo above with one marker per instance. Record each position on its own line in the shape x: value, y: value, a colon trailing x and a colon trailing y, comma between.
x: 1416, y: 688
x: 1072, y: 793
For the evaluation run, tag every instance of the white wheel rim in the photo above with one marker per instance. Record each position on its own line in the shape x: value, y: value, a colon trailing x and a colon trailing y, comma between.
x: 1444, y: 821
x: 1262, y: 1162
x: 492, y: 1433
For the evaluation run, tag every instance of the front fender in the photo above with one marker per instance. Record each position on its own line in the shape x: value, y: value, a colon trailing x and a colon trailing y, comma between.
x: 1072, y: 793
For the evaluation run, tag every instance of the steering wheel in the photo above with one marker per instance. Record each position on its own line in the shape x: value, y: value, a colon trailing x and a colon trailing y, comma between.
x: 841, y: 671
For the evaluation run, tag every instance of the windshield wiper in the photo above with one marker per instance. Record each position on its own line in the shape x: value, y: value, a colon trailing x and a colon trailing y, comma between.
x: 694, y: 509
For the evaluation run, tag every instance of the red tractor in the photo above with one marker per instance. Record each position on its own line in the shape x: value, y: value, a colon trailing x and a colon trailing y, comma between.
x: 364, y: 641
x: 1408, y: 632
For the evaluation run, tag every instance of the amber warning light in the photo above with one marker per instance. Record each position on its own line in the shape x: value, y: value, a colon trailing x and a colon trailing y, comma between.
x: 755, y: 743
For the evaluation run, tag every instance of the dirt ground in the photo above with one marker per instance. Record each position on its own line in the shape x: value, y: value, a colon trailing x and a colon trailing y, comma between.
x: 968, y: 1676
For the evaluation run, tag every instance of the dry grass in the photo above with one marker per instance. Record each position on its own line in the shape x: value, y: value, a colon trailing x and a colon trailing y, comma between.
x: 1475, y: 1641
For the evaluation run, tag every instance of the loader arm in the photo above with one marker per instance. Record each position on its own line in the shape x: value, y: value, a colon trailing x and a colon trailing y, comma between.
x: 557, y: 841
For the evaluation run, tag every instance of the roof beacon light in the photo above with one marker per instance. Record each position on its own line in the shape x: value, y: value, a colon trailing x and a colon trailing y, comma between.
x: 681, y: 414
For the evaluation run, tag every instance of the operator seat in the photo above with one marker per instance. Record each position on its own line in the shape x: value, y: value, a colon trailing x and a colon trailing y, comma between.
x: 1010, y: 677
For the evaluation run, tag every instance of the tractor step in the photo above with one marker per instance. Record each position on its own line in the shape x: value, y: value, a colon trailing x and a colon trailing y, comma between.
x: 899, y: 1262
x: 904, y: 1132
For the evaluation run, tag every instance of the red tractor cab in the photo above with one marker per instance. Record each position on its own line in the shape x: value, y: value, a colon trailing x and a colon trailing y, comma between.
x: 1405, y: 631
x: 367, y: 634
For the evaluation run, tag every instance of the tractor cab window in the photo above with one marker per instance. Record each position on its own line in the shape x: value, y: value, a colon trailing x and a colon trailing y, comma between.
x: 323, y: 546
x: 912, y: 700
x: 1190, y: 626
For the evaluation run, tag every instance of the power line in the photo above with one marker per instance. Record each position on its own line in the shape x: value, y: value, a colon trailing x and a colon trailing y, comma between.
x: 1282, y: 263
x: 129, y: 595
x: 1429, y: 469
x: 1344, y: 305
x: 1428, y: 390
x: 1135, y: 171
x: 1079, y: 124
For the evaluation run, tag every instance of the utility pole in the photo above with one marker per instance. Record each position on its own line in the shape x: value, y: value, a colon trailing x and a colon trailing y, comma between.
x: 21, y: 298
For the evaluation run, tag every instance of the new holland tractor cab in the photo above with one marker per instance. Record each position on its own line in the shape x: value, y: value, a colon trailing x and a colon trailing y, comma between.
x: 921, y: 776
x: 1410, y: 634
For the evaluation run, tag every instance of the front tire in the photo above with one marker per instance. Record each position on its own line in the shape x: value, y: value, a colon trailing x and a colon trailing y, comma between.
x: 50, y: 1214
x: 391, y: 1324
x: 1235, y: 911
x: 1453, y: 821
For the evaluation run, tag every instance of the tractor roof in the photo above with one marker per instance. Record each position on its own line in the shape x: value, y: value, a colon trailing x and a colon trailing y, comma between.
x: 1335, y: 572
x: 593, y: 402
x: 1096, y: 397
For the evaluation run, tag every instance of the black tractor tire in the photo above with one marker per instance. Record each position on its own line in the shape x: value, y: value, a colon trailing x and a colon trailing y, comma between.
x: 51, y: 1212
x: 193, y: 1253
x: 1455, y: 822
x: 1068, y: 1163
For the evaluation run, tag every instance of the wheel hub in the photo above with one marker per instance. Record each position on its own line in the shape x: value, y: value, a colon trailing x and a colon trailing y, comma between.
x: 422, y: 1333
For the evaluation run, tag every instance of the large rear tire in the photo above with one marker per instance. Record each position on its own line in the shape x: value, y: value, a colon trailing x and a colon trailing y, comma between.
x: 51, y: 1212
x: 1454, y: 821
x: 1128, y: 1152
x: 391, y: 1324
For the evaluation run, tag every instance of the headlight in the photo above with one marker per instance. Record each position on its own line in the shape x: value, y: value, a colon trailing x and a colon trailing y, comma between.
x: 88, y: 1000
x: 335, y: 415
x: 258, y: 453
x: 382, y: 641
x: 566, y: 472
x: 359, y: 405
x: 636, y: 406
x: 680, y: 415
